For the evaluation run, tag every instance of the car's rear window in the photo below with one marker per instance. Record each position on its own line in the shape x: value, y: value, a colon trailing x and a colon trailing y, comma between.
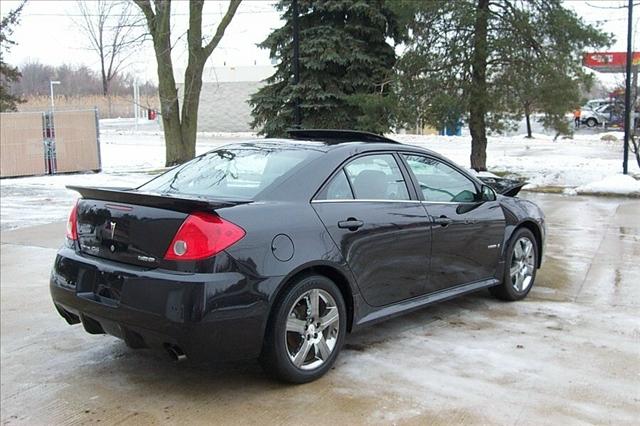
x: 240, y: 172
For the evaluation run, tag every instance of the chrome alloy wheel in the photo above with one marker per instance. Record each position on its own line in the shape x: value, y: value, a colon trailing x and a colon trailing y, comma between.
x: 312, y: 329
x: 522, y: 264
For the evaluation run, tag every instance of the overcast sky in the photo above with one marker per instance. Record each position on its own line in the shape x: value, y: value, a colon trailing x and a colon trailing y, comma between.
x: 47, y: 33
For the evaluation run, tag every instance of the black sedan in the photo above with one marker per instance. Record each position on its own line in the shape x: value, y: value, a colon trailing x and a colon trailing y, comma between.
x: 277, y: 248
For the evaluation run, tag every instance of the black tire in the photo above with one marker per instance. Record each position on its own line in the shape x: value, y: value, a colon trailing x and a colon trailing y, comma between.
x: 276, y: 356
x: 591, y: 122
x: 508, y: 290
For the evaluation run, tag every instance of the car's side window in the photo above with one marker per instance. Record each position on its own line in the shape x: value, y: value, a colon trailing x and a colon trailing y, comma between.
x: 377, y: 177
x: 337, y: 189
x: 440, y: 182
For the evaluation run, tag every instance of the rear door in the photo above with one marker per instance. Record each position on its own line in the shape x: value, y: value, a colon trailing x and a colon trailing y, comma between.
x: 467, y: 233
x: 382, y: 231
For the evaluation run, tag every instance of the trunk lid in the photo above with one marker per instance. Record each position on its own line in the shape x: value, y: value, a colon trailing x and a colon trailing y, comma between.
x: 504, y: 186
x: 130, y: 226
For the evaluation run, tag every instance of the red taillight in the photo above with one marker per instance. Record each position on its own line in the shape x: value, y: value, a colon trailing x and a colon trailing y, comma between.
x: 203, y: 235
x: 72, y: 223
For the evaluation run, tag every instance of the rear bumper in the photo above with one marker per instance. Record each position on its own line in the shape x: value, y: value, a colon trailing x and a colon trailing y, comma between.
x: 210, y: 317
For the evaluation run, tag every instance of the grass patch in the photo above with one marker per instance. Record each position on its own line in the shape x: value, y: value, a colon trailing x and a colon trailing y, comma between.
x: 507, y: 174
x: 549, y: 189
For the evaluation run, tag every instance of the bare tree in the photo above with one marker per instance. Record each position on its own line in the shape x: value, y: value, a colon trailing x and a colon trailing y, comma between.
x: 113, y: 31
x: 180, y: 127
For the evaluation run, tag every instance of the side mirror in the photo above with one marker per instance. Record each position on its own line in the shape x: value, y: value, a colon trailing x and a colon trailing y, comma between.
x: 488, y: 194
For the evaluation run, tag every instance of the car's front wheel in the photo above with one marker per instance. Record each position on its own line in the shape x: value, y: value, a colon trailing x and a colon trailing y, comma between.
x: 306, y: 331
x: 591, y: 122
x: 520, y: 267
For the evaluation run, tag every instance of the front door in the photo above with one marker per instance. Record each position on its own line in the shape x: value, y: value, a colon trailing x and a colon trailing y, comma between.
x: 467, y: 233
x: 382, y: 233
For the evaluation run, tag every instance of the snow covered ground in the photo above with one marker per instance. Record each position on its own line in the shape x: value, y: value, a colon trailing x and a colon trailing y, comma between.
x: 566, y: 163
x: 585, y: 164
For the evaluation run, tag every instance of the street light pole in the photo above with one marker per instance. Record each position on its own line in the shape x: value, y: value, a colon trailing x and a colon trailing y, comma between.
x: 629, y: 116
x: 51, y: 83
x: 296, y: 62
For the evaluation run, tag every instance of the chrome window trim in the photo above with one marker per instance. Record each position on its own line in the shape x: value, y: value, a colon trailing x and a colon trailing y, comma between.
x: 449, y: 202
x: 362, y: 200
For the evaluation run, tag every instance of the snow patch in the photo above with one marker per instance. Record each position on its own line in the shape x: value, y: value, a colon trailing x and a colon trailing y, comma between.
x: 44, y: 199
x: 129, y: 158
x: 615, y: 184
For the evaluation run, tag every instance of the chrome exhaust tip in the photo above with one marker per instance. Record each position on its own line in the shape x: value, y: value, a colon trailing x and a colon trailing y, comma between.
x: 175, y: 353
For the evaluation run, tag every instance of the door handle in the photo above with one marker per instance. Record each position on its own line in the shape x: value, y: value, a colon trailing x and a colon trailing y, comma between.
x: 442, y: 221
x: 352, y: 224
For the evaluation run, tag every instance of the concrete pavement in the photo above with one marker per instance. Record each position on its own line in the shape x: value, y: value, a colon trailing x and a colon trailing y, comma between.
x: 568, y: 354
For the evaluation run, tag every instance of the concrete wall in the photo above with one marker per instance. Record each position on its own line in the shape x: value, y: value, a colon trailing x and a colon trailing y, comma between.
x: 225, y: 94
x: 224, y: 106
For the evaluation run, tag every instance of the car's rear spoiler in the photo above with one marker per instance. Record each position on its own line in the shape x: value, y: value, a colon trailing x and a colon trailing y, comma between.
x: 504, y: 186
x: 182, y: 203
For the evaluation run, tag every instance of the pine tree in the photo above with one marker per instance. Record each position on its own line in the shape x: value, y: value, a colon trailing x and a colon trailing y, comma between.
x: 547, y: 77
x: 8, y: 74
x: 346, y: 66
x: 494, y: 59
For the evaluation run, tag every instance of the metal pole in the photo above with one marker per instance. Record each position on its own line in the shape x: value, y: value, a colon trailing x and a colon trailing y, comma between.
x: 296, y: 62
x: 139, y: 115
x: 135, y: 103
x: 95, y: 110
x: 51, y: 83
x: 51, y: 88
x: 627, y: 92
x: 135, y: 107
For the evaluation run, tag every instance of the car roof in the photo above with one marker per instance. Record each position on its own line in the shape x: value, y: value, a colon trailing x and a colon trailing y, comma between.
x: 348, y: 148
x: 324, y: 139
x: 342, y: 142
x: 334, y: 150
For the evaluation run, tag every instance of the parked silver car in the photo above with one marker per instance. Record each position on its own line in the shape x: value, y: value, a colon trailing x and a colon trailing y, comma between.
x: 599, y: 116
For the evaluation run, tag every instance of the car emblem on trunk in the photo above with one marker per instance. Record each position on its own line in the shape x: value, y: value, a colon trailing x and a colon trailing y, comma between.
x: 112, y: 226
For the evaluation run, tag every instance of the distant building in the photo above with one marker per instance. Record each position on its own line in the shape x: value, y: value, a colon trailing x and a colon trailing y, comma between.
x: 225, y: 94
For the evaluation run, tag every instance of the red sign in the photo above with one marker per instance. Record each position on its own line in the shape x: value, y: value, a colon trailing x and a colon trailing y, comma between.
x: 609, y: 61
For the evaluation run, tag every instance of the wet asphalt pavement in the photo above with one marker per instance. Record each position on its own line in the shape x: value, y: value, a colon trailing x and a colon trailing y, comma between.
x: 568, y: 354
